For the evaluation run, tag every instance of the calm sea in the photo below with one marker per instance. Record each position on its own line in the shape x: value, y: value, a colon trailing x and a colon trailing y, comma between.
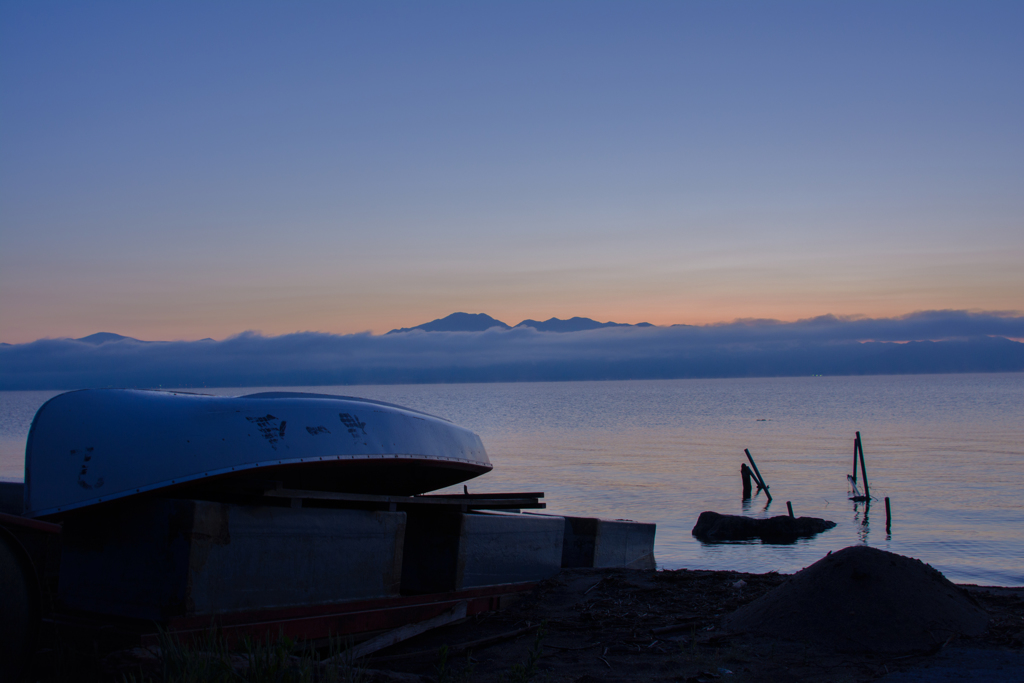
x: 947, y: 449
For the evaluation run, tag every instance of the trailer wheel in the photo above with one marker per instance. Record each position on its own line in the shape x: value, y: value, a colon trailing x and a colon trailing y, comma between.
x: 19, y: 608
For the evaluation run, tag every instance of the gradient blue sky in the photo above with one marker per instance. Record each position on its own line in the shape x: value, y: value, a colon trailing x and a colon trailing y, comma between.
x: 196, y: 169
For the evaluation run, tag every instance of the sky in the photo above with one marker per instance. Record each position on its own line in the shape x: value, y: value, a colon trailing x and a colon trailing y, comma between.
x: 185, y: 170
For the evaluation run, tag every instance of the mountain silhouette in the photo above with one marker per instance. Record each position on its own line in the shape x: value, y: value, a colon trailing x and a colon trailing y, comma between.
x: 458, y: 322
x: 576, y: 324
x: 105, y: 338
x: 478, y: 322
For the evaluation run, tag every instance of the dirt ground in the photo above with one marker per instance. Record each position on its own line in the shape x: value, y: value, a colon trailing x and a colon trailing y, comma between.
x: 590, y: 625
x: 593, y: 625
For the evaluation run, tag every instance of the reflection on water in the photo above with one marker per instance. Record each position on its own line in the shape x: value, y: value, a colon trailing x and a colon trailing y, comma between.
x: 947, y: 450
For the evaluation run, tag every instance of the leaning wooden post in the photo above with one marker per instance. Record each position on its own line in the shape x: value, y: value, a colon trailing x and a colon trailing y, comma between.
x: 789, y: 506
x: 863, y: 471
x: 757, y: 473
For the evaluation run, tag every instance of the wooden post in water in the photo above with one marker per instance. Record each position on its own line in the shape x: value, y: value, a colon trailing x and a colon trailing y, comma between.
x: 863, y: 471
x: 856, y: 448
x: 888, y: 515
x: 760, y: 479
x: 747, y: 475
x: 789, y: 506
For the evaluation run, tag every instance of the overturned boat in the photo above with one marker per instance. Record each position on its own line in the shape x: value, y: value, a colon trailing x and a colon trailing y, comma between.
x: 270, y: 513
x: 97, y: 445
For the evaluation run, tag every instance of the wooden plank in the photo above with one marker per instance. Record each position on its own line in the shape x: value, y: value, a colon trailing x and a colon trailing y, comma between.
x: 462, y: 647
x: 472, y: 501
x: 399, y: 634
x: 267, y: 618
x: 485, y: 496
x: 311, y: 622
x: 526, y: 504
x: 28, y: 523
x: 509, y: 504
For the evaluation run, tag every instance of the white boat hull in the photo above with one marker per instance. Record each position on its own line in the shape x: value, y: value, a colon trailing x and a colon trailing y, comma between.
x: 96, y: 445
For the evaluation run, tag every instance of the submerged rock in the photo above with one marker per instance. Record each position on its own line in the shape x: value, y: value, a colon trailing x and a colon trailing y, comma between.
x: 862, y: 599
x: 712, y: 526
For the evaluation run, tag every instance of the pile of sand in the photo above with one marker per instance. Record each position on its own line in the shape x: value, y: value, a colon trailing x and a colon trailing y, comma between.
x: 863, y: 599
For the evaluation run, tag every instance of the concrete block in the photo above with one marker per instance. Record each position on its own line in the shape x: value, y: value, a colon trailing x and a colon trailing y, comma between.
x: 454, y: 551
x: 593, y: 542
x: 160, y: 558
x: 509, y: 548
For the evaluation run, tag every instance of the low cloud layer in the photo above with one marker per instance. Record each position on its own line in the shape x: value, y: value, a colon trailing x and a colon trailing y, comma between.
x: 925, y: 342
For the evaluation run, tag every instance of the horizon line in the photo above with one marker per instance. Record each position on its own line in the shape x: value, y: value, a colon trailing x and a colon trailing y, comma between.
x: 752, y: 321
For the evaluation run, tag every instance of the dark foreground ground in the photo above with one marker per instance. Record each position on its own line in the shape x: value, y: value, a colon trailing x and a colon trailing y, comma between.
x: 622, y: 625
x: 594, y: 625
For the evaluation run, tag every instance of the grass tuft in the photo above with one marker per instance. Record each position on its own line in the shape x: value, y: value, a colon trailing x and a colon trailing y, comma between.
x: 209, y: 659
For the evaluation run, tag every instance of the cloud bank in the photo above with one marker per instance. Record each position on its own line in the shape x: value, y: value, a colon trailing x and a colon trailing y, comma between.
x: 925, y: 342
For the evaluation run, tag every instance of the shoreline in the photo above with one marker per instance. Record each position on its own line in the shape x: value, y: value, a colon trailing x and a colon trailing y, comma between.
x: 589, y: 625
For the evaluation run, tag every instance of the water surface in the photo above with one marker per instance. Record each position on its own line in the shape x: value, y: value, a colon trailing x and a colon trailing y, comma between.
x: 947, y: 449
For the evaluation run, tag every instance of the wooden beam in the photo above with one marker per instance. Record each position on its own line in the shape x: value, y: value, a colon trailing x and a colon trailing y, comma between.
x: 472, y: 501
x: 399, y: 634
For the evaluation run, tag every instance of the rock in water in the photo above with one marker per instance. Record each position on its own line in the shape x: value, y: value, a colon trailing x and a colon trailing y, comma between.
x: 712, y: 527
x: 863, y: 599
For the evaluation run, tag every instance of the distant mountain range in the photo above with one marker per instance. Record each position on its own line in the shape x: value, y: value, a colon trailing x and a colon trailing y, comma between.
x: 456, y: 322
x: 478, y: 322
x: 101, y: 338
x: 98, y: 339
x: 478, y: 348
